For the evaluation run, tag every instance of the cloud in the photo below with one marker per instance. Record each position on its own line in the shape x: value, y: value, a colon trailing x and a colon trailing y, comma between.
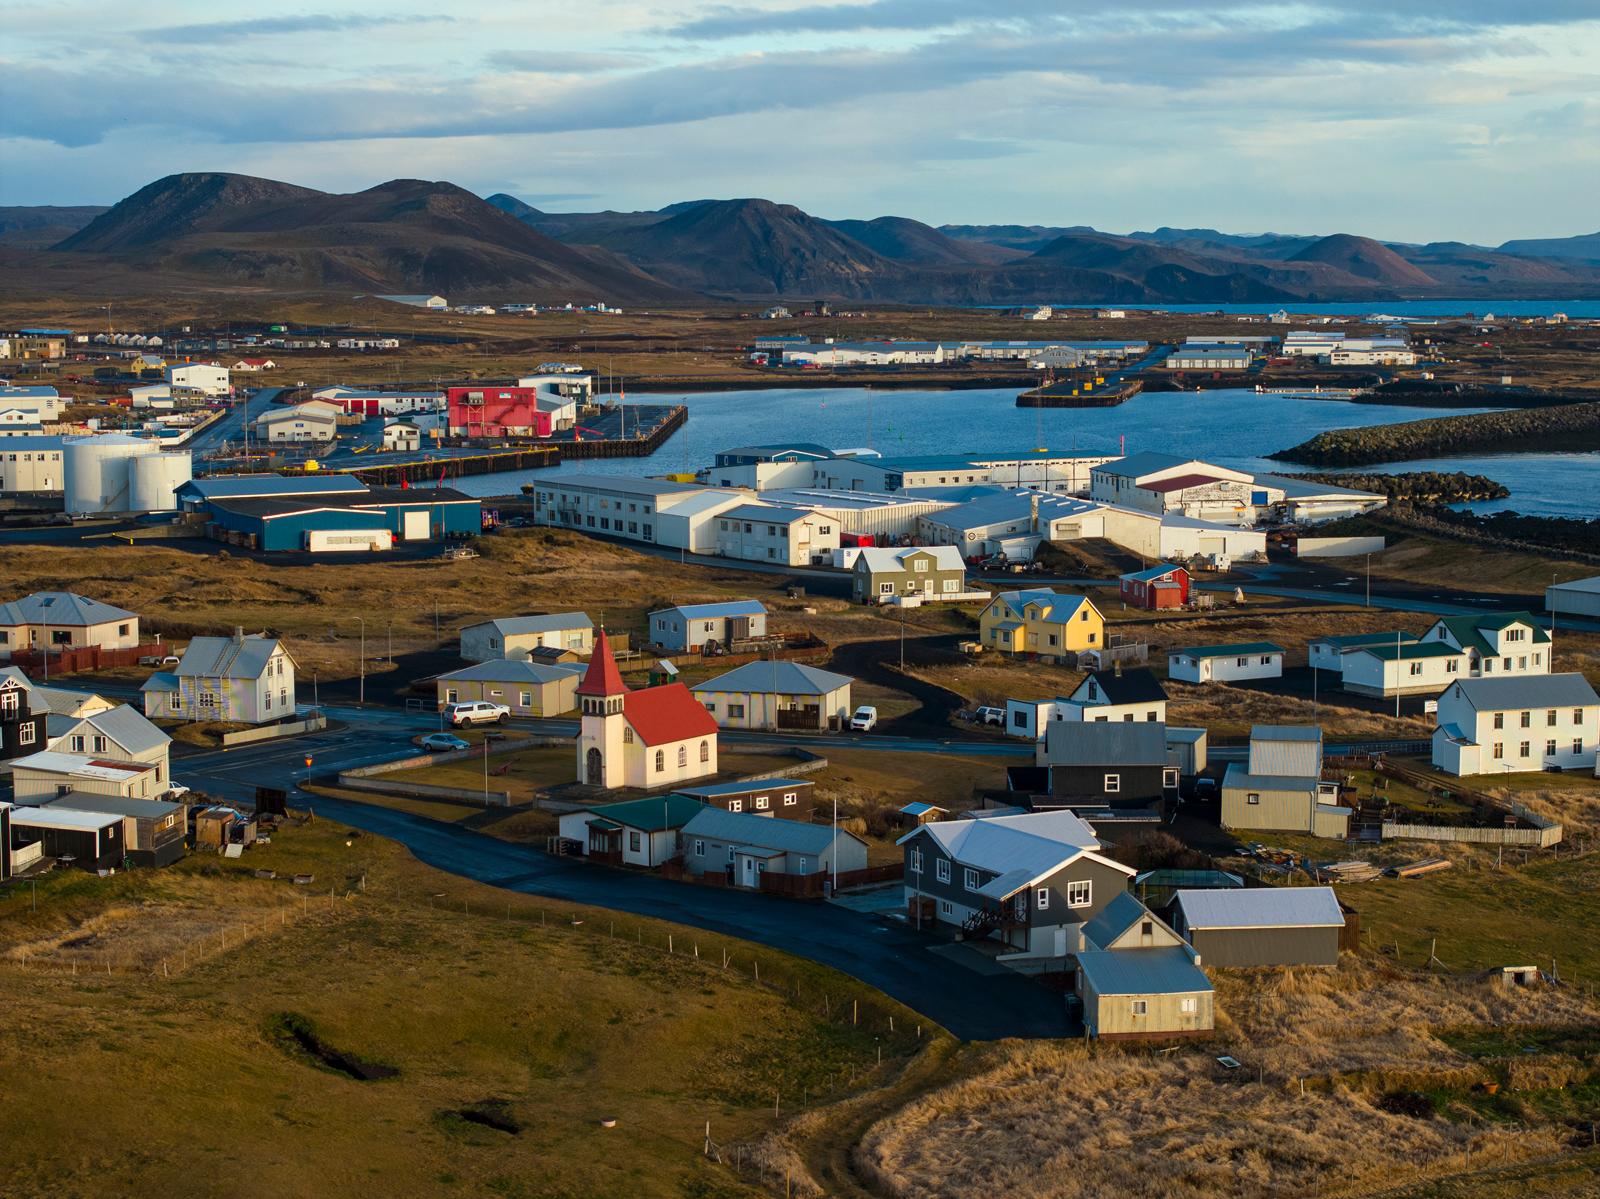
x: 564, y: 62
x: 230, y: 31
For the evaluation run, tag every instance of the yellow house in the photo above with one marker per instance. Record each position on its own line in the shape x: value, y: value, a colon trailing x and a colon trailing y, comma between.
x: 1041, y: 623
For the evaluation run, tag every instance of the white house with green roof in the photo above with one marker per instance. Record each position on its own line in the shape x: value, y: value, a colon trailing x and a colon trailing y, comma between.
x: 1404, y: 668
x: 1496, y: 643
x: 1226, y: 663
x: 635, y: 832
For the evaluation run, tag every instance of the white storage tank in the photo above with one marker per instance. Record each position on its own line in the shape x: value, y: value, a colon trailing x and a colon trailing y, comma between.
x: 154, y: 477
x: 95, y: 473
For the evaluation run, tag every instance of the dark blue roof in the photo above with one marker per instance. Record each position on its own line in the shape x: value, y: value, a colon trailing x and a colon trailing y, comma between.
x: 230, y: 487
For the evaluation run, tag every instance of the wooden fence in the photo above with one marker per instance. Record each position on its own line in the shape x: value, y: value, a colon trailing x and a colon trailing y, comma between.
x: 804, y: 885
x: 1536, y: 831
x: 89, y: 657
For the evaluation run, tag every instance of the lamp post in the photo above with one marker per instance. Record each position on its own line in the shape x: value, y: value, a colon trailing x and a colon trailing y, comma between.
x: 363, y: 666
x: 1369, y: 580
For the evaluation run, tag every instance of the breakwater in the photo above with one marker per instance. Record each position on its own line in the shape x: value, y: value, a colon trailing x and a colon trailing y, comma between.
x: 1567, y: 428
x: 629, y: 447
x: 1419, y: 393
x: 392, y: 474
x: 1423, y: 486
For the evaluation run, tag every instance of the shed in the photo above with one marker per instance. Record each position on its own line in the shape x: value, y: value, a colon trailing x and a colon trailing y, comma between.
x: 1158, y: 587
x: 92, y: 840
x: 1139, y: 994
x: 914, y: 814
x: 1581, y: 597
x: 153, y: 830
x: 217, y: 826
x: 1261, y: 926
x: 1190, y: 746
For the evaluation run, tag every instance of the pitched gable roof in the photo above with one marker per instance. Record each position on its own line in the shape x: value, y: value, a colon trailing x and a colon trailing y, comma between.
x: 1055, y: 607
x: 782, y: 678
x: 1261, y: 907
x: 1468, y: 630
x: 60, y: 608
x: 1131, y: 687
x: 1168, y: 970
x: 661, y: 715
x: 764, y: 832
x: 602, y: 677
x: 1569, y: 690
x: 515, y: 626
x: 236, y: 657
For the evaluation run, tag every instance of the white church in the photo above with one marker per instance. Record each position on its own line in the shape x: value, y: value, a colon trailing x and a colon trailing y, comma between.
x: 658, y: 737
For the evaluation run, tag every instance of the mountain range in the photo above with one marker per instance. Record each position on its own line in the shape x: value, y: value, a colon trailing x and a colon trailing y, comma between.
x: 213, y: 229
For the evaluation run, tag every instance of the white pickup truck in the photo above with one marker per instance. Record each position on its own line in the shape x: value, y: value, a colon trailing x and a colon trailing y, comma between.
x: 476, y: 712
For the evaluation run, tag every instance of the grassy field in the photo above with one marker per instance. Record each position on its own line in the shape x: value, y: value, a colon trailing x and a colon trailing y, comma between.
x: 144, y: 1082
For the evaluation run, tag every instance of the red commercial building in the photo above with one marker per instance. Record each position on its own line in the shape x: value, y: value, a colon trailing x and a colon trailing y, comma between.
x: 1158, y: 587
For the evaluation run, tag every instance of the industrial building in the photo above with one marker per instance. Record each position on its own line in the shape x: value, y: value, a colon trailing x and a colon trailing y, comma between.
x: 434, y: 302
x: 538, y: 406
x: 1039, y: 470
x: 381, y: 514
x: 196, y: 494
x: 355, y: 402
x: 314, y: 421
x: 201, y: 376
x: 30, y: 464
x: 1581, y: 597
x: 793, y: 536
x: 1208, y: 358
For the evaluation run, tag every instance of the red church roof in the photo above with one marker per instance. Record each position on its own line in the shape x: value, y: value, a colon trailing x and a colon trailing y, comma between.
x: 602, y: 677
x: 660, y: 715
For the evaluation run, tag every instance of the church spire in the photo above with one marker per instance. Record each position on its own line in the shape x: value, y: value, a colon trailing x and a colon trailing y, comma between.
x: 602, y: 678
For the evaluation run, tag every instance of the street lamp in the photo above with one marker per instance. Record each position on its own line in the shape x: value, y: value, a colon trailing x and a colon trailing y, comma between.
x: 363, y: 660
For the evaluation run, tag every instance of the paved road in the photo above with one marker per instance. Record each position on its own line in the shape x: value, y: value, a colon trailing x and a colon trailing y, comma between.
x: 231, y: 427
x: 883, y: 953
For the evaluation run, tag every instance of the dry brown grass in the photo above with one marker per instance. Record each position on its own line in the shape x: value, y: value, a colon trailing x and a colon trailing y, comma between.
x: 1230, y: 711
x: 1576, y: 807
x: 1052, y: 1120
x: 145, y: 935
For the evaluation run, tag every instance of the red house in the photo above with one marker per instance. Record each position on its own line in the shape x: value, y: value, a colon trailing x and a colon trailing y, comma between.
x: 1158, y: 587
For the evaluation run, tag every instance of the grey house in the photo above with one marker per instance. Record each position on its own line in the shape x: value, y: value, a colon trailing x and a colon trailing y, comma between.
x: 1033, y: 880
x: 746, y: 846
x: 1110, y: 763
x: 1261, y: 926
x: 691, y: 626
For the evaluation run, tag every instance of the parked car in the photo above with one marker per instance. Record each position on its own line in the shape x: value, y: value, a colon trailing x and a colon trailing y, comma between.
x: 1205, y: 789
x: 476, y: 711
x: 443, y: 742
x: 994, y: 716
x: 865, y: 717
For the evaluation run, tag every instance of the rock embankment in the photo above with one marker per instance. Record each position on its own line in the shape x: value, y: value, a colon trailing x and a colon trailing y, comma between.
x: 1570, y: 427
x: 1421, y: 487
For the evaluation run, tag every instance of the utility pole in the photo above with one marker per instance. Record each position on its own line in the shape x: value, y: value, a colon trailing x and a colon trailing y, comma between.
x: 1399, y: 657
x: 363, y: 660
x: 1369, y: 580
x: 834, y: 852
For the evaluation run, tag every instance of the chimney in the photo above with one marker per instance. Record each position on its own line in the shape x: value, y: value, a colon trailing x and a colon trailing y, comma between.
x: 1033, y: 511
x: 238, y: 634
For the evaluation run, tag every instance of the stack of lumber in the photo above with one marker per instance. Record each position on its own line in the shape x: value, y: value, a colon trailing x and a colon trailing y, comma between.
x: 1424, y: 866
x: 1349, y: 872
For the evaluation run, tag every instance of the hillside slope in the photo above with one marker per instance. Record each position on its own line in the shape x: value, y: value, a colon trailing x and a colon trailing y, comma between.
x: 906, y: 240
x: 48, y: 216
x: 407, y: 235
x: 1366, y: 259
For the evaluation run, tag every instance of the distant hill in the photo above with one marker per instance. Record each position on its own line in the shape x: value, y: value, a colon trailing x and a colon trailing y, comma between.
x: 750, y: 248
x: 1462, y: 267
x: 407, y: 235
x: 906, y: 240
x: 1586, y: 246
x: 560, y: 224
x: 1366, y: 259
x: 48, y: 216
x: 1017, y: 237
x: 1168, y: 234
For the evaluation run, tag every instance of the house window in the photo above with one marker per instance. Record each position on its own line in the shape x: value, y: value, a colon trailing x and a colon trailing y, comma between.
x: 1113, y: 783
x: 1169, y: 778
x: 1550, y: 749
x: 1527, y: 720
x: 941, y: 870
x: 1266, y: 660
x: 122, y: 630
x: 633, y: 842
x: 661, y: 760
x: 25, y: 734
x: 944, y: 908
x: 1416, y: 667
x: 1577, y: 716
x: 763, y: 801
x: 949, y: 586
x: 683, y: 755
x: 1577, y: 745
x: 1092, y: 638
x: 705, y: 751
x: 1499, y: 750
x: 1244, y: 661
x: 1537, y: 659
x: 1507, y: 664
x: 1079, y: 894
x: 1550, y: 718
x: 1084, y: 615
x: 788, y: 799
x: 916, y: 861
x: 736, y: 805
x: 627, y: 735
x: 1140, y: 1006
x: 77, y: 745
x: 971, y: 879
x: 1052, y: 639
x: 1523, y: 750
x: 885, y: 588
x: 1019, y: 718
x: 1252, y: 797
x: 1044, y: 898
x: 1189, y: 1006
x: 1499, y: 720
x: 525, y: 699
x: 99, y: 745
x: 1451, y: 666
x: 699, y: 849
x: 735, y: 711
x: 1150, y: 717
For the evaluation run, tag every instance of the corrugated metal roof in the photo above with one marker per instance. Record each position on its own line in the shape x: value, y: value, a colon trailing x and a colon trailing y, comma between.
x: 711, y: 611
x: 1168, y: 970
x: 1136, y: 466
x: 1229, y: 651
x: 81, y: 765
x: 1286, y: 732
x: 650, y: 815
x: 1239, y: 778
x: 740, y: 788
x: 1528, y: 691
x: 1137, y: 686
x: 62, y: 818
x: 1410, y: 649
x: 160, y: 681
x: 766, y: 512
x: 60, y: 608
x: 514, y: 672
x: 781, y: 678
x: 128, y: 728
x: 1355, y: 640
x: 766, y: 832
x: 119, y: 805
x: 558, y: 622
x: 1468, y: 630
x: 1105, y: 743
x: 941, y: 557
x: 223, y: 657
x: 1056, y: 607
x: 1116, y: 918
x: 1018, y: 849
x: 1261, y: 907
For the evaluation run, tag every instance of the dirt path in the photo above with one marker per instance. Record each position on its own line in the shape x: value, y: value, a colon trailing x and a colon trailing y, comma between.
x: 870, y: 661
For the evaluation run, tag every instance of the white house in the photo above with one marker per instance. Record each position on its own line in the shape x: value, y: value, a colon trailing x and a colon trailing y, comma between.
x: 1403, y: 668
x: 745, y: 846
x: 514, y: 637
x: 690, y: 626
x: 1327, y: 653
x: 401, y: 435
x: 777, y: 695
x: 793, y: 536
x: 1116, y: 695
x: 1506, y: 724
x: 241, y: 678
x: 1226, y: 663
x: 635, y: 832
x: 118, y: 734
x: 58, y: 620
x: 202, y: 376
x: 1028, y: 717
x: 655, y: 738
x: 1496, y: 643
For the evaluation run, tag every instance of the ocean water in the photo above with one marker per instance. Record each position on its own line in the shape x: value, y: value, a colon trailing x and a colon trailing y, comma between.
x: 1443, y: 309
x: 1231, y: 428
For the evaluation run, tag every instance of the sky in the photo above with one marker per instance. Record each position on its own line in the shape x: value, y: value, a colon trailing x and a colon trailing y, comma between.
x: 1427, y: 120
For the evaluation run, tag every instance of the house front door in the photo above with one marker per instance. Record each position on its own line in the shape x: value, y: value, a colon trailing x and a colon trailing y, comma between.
x: 749, y: 872
x: 592, y: 768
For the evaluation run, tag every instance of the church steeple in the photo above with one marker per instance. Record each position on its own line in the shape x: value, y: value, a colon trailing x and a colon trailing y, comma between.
x: 602, y: 688
x: 600, y: 741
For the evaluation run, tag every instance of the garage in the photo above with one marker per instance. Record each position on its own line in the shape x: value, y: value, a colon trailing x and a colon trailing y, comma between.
x: 416, y: 526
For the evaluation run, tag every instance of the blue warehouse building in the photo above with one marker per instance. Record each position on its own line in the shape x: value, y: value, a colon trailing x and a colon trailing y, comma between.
x: 286, y: 522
